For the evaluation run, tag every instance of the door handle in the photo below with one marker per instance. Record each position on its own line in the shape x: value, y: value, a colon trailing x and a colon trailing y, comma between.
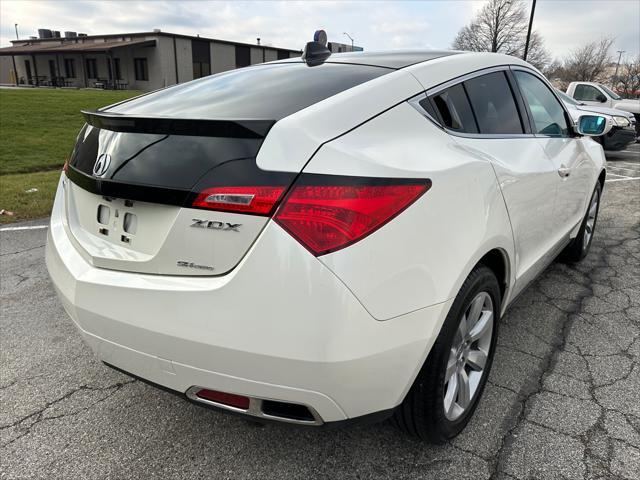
x: 564, y: 172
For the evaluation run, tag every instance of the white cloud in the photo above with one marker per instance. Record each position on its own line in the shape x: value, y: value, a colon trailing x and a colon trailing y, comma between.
x: 375, y: 25
x: 566, y: 25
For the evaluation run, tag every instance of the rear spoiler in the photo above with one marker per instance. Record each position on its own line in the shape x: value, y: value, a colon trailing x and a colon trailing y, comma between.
x: 178, y: 126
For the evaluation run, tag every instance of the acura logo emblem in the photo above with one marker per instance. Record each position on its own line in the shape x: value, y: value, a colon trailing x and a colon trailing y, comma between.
x: 102, y: 164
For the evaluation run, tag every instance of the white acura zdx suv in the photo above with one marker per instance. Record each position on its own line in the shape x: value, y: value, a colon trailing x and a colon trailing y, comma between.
x: 323, y: 239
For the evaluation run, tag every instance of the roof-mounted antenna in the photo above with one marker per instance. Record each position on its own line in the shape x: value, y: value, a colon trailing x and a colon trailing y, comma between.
x: 316, y: 52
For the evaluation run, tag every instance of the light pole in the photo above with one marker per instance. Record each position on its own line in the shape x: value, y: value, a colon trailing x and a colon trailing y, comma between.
x: 615, y: 75
x: 350, y: 38
x: 526, y: 45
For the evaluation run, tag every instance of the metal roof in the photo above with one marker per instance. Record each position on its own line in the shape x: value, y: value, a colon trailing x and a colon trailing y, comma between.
x: 73, y: 47
x: 391, y: 59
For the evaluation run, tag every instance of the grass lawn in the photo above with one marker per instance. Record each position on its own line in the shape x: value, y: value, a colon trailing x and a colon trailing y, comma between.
x: 37, y: 130
x: 13, y: 195
x: 38, y: 126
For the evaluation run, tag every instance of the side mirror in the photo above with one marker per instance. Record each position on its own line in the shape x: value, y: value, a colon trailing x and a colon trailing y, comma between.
x: 601, y: 98
x: 593, y: 125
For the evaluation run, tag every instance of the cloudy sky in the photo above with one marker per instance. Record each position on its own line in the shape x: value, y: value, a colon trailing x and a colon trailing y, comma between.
x: 375, y: 25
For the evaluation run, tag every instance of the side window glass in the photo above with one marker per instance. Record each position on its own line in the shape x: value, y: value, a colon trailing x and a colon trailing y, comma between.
x: 425, y: 103
x: 493, y: 104
x: 548, y: 114
x: 454, y: 110
x: 586, y: 92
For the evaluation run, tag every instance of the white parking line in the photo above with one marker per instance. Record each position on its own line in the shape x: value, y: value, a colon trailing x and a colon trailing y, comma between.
x: 623, y: 171
x: 626, y: 179
x: 624, y: 174
x: 32, y: 227
x: 624, y: 168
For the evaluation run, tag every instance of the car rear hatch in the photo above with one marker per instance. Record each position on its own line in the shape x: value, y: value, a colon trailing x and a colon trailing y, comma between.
x: 150, y: 194
x: 167, y: 183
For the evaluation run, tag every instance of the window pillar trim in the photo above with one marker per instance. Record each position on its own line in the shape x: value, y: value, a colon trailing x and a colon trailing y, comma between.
x: 568, y: 118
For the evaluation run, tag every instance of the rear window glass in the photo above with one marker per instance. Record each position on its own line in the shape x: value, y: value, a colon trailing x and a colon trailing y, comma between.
x: 454, y: 109
x: 587, y: 93
x: 493, y: 104
x: 270, y: 92
x: 172, y: 161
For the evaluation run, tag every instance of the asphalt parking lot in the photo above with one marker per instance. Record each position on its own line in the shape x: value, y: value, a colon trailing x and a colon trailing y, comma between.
x: 561, y: 402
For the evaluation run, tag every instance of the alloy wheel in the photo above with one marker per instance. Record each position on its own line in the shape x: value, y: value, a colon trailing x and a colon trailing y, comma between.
x: 591, y: 221
x: 468, y: 356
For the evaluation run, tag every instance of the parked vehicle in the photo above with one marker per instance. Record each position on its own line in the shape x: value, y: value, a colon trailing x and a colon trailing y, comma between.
x: 623, y: 130
x: 327, y: 239
x: 591, y: 93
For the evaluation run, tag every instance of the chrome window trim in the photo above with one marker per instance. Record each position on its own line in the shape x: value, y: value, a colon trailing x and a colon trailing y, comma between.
x: 415, y: 103
x: 255, y: 408
x: 463, y: 78
x: 490, y: 136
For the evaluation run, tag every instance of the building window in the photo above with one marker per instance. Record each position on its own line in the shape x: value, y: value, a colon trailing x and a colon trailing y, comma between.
x: 27, y: 67
x: 92, y: 68
x: 141, y: 69
x: 116, y: 67
x: 69, y: 68
x: 52, y: 69
x: 243, y: 56
x: 282, y: 54
x: 201, y: 69
x: 201, y: 57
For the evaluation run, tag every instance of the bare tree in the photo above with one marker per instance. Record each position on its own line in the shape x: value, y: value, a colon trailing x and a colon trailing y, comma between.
x: 537, y: 54
x: 589, y: 63
x: 628, y: 81
x: 501, y: 26
x: 556, y: 74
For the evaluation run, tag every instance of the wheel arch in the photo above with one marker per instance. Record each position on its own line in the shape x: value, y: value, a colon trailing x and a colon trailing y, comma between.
x: 497, y: 260
x: 500, y: 260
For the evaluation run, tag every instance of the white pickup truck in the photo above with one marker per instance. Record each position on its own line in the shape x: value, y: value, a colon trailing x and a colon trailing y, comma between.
x: 596, y: 94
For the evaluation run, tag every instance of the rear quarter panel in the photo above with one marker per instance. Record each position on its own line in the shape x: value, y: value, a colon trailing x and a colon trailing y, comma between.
x: 421, y: 257
x: 294, y: 139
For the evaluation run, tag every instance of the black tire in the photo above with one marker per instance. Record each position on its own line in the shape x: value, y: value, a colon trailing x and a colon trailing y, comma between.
x: 422, y: 412
x: 579, y: 248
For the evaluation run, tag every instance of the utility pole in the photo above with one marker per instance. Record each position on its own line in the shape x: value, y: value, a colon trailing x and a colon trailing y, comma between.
x: 615, y: 75
x: 16, y: 25
x: 526, y: 45
x: 350, y: 38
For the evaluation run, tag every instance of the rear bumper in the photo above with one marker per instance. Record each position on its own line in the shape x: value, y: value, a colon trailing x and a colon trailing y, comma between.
x: 280, y: 326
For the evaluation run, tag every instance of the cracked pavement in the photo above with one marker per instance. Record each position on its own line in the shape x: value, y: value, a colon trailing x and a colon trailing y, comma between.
x: 561, y: 401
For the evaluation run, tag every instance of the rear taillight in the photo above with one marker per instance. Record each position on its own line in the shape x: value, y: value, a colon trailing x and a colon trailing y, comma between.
x: 326, y: 213
x: 254, y: 200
